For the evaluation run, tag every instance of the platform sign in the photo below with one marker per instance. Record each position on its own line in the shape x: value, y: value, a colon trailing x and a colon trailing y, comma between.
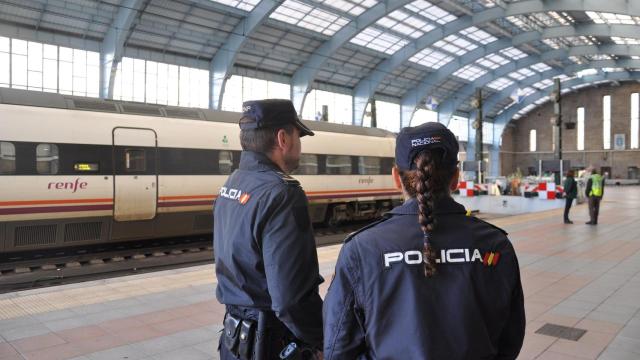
x: 619, y: 142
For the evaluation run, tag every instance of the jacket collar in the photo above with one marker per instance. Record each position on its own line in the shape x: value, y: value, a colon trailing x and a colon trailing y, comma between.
x: 250, y: 160
x: 443, y: 206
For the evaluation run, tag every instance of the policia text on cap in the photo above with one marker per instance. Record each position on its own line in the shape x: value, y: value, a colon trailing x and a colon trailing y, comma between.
x: 266, y: 260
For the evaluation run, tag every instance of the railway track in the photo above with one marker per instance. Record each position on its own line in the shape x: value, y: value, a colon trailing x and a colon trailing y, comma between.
x: 21, y: 271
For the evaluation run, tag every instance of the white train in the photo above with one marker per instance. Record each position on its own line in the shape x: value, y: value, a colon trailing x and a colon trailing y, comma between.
x: 83, y: 171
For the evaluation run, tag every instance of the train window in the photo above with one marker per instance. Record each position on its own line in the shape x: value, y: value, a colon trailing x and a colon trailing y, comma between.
x: 7, y: 158
x: 308, y: 165
x: 134, y: 160
x: 386, y: 164
x: 338, y: 165
x: 47, y: 160
x: 368, y: 165
x: 225, y: 162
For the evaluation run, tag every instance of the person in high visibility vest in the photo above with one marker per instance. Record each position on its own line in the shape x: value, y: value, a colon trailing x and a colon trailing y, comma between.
x: 594, y: 192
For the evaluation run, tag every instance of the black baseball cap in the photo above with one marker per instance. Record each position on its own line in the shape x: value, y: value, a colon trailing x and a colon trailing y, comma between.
x: 271, y: 113
x: 432, y: 135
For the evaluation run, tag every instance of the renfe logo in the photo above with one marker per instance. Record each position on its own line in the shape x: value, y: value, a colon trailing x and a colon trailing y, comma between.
x: 68, y: 185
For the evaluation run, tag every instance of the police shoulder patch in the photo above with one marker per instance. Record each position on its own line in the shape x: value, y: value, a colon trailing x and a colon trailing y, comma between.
x: 490, y: 224
x: 353, y: 234
x: 288, y: 179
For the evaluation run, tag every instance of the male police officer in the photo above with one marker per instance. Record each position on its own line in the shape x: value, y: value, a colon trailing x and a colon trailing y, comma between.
x: 266, y: 260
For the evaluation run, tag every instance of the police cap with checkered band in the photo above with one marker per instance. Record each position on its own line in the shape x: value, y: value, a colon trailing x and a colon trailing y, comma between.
x: 271, y: 113
x: 432, y: 135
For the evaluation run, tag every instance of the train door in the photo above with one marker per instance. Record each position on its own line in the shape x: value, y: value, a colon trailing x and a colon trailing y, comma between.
x: 135, y: 180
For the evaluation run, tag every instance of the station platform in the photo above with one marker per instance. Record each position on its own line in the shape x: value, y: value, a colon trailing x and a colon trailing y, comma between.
x: 584, y: 278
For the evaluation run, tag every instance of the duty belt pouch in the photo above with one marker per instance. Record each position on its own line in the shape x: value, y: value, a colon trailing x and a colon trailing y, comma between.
x: 247, y: 334
x: 232, y: 333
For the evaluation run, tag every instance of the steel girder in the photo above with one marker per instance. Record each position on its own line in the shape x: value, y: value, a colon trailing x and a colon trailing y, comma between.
x: 225, y: 57
x: 503, y: 119
x: 466, y: 91
x: 496, y: 98
x: 449, y: 107
x: 365, y: 89
x: 304, y: 76
x: 113, y: 44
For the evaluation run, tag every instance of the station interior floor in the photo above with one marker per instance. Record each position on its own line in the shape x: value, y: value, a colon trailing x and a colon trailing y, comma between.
x: 586, y: 277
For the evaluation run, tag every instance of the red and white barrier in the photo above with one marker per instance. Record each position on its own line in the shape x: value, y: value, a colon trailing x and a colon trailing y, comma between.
x: 466, y: 188
x: 547, y: 191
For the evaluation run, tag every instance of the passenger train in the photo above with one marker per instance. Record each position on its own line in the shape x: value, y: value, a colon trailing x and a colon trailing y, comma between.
x: 77, y: 171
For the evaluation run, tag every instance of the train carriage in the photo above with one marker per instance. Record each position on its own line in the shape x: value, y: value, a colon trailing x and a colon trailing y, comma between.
x: 83, y: 171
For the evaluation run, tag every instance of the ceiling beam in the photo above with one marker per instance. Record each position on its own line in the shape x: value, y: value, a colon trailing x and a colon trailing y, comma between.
x: 113, y: 44
x: 222, y: 62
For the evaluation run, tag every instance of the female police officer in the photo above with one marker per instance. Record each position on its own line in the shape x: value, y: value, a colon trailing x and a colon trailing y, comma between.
x: 427, y: 281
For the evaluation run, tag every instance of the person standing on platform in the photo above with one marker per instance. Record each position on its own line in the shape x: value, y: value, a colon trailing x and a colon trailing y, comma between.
x: 265, y: 252
x: 427, y: 281
x: 571, y: 192
x: 594, y: 192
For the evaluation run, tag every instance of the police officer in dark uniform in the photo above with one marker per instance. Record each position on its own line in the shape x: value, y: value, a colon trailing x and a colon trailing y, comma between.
x: 265, y: 254
x: 427, y: 281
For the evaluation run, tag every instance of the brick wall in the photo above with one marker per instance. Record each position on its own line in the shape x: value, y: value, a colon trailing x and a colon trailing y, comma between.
x: 515, y: 140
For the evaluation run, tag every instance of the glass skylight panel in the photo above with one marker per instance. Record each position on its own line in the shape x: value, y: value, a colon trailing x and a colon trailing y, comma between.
x: 492, y: 61
x: 599, y: 57
x: 552, y: 43
x: 405, y: 23
x: 586, y: 72
x: 578, y: 40
x: 309, y: 17
x: 455, y: 45
x: 528, y: 91
x: 521, y: 74
x: 608, y: 69
x: 379, y: 41
x: 513, y: 53
x: 562, y: 19
x: 575, y: 59
x: 353, y: 7
x: 625, y: 41
x: 542, y: 100
x: 488, y: 3
x: 470, y: 72
x: 610, y: 19
x: 431, y: 58
x: 543, y: 84
x: 500, y: 84
x: 520, y: 22
x: 431, y: 12
x: 246, y: 5
x: 541, y: 67
x: 478, y: 35
x: 563, y: 77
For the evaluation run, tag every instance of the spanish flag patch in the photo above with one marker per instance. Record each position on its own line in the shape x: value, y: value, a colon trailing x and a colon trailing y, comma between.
x: 491, y: 258
x: 244, y: 198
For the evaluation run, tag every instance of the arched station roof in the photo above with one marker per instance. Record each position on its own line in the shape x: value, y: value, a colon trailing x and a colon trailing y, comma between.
x: 413, y: 51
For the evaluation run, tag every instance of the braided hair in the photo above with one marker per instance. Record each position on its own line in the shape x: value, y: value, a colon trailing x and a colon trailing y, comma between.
x: 428, y: 183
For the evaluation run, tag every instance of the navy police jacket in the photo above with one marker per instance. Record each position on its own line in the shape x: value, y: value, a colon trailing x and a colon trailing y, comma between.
x: 380, y: 305
x: 265, y: 253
